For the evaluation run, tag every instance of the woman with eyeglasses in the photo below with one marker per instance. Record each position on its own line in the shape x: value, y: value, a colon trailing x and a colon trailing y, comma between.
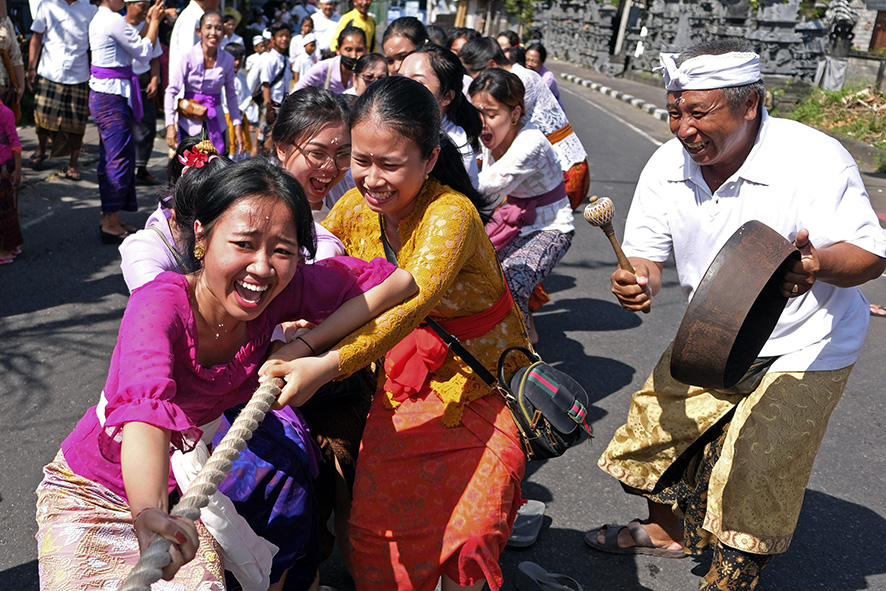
x: 370, y: 67
x: 312, y: 140
x: 336, y: 73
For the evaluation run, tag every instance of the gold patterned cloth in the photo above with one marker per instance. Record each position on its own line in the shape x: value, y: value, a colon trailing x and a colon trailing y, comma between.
x: 86, y: 540
x: 757, y: 485
x: 445, y: 247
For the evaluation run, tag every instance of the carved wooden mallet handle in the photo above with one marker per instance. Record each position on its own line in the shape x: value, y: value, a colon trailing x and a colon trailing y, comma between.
x: 600, y: 212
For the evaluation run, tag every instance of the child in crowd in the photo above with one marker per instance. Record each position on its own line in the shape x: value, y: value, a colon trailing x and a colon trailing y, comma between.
x: 275, y: 78
x: 244, y: 101
x: 230, y: 36
x: 10, y: 178
x: 259, y: 20
x: 297, y: 47
x: 259, y: 47
x: 306, y: 59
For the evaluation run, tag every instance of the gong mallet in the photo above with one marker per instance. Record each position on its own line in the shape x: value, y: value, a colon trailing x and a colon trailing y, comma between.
x: 600, y: 212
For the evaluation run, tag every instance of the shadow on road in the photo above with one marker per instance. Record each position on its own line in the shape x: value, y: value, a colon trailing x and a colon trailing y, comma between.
x: 837, y: 545
x: 21, y: 578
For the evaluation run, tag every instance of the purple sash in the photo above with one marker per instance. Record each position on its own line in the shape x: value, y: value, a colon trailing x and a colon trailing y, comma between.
x: 213, y: 128
x: 516, y: 213
x: 122, y: 72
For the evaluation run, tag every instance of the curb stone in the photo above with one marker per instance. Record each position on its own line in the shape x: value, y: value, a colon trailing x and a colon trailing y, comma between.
x: 656, y: 112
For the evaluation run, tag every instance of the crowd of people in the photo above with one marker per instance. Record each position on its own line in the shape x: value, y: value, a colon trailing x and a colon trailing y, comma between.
x: 322, y: 202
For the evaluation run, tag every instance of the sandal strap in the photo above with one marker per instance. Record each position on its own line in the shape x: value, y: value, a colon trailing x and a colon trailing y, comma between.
x: 638, y: 532
x: 612, y: 530
x: 555, y: 582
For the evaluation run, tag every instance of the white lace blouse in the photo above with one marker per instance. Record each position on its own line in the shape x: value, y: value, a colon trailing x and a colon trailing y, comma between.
x: 548, y: 116
x: 528, y: 169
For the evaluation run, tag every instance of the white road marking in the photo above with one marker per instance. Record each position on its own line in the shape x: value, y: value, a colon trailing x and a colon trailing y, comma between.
x: 616, y: 117
x: 37, y: 219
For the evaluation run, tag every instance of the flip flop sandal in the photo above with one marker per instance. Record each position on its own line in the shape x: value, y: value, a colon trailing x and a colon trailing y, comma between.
x: 72, y: 175
x: 532, y: 577
x: 530, y: 517
x: 878, y: 311
x: 642, y: 542
x: 36, y: 161
x: 108, y: 238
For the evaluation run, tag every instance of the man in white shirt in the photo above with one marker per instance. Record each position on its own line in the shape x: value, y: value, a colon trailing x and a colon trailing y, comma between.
x: 58, y: 53
x: 184, y: 32
x: 144, y: 130
x: 325, y: 21
x: 736, y: 463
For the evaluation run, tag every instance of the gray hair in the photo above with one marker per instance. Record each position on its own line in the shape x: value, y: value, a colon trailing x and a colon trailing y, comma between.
x: 735, y: 95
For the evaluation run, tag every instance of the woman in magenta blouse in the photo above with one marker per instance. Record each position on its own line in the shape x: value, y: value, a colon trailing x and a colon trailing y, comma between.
x: 190, y: 347
x: 204, y: 72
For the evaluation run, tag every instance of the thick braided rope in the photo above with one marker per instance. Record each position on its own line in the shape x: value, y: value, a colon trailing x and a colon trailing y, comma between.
x: 156, y: 556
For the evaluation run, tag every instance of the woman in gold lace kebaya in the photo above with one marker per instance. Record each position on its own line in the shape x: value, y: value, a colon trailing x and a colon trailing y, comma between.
x: 438, y: 477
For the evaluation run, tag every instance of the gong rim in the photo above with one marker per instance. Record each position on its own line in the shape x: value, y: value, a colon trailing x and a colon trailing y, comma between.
x: 734, y: 309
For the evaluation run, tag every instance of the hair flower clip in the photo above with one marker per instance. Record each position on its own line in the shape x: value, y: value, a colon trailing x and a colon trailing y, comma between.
x: 193, y: 159
x: 198, y: 156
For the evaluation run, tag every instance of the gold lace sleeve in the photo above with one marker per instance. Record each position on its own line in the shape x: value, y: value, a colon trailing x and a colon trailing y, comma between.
x: 438, y: 238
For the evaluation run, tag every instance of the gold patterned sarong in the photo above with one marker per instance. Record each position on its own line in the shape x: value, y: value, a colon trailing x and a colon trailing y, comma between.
x: 757, y: 485
x: 86, y: 539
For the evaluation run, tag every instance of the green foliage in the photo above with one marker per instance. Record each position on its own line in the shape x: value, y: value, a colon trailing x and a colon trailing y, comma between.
x: 854, y: 112
x: 524, y: 10
x: 881, y: 162
x: 812, y: 9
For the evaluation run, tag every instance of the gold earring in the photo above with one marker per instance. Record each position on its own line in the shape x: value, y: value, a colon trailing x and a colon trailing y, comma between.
x: 513, y: 122
x: 426, y: 177
x: 199, y: 252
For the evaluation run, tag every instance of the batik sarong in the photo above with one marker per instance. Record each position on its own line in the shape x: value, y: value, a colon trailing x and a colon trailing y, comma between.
x: 86, y: 539
x: 527, y: 260
x: 757, y: 484
x: 116, y: 160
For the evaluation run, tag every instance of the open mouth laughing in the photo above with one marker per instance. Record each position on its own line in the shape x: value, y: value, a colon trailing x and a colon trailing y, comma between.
x: 250, y: 292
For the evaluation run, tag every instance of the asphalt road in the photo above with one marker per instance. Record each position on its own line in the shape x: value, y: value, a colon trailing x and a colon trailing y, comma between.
x: 61, y: 304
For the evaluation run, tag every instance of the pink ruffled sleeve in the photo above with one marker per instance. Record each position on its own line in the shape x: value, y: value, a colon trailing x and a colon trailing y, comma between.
x: 141, y: 384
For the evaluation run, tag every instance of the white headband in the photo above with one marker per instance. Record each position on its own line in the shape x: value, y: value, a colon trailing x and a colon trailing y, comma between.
x: 705, y: 72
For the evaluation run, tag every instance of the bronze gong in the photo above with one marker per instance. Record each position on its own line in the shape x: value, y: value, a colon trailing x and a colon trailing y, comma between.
x: 734, y: 309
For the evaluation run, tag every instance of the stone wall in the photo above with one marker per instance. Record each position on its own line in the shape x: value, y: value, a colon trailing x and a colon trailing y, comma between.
x: 584, y: 32
x: 578, y: 31
x: 864, y: 28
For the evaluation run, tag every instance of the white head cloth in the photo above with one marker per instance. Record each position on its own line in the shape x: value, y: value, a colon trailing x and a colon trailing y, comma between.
x: 705, y: 72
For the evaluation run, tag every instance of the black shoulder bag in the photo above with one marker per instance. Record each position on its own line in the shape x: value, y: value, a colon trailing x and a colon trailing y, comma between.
x: 258, y: 96
x: 548, y: 406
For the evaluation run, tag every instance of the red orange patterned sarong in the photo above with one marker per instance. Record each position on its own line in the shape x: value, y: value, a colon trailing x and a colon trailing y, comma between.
x: 431, y: 500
